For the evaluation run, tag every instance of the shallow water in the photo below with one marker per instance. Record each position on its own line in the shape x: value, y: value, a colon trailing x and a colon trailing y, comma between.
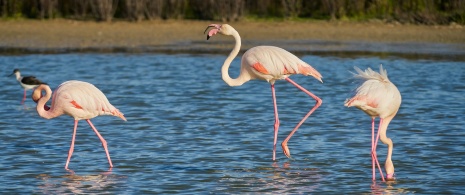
x: 188, y: 132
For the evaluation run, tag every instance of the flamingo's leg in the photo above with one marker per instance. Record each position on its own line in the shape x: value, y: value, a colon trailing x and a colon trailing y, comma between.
x: 373, y: 152
x: 317, y: 104
x: 104, y: 143
x: 71, y: 148
x: 276, y: 121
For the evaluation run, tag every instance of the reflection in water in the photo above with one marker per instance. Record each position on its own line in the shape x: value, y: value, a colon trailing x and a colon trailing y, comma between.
x: 388, y: 188
x: 201, y: 137
x: 78, y: 184
x: 286, y: 179
x: 274, y: 179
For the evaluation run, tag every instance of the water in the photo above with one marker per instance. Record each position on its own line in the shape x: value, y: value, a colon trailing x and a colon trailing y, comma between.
x: 188, y: 132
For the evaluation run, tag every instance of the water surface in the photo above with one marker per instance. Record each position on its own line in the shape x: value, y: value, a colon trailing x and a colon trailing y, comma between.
x: 188, y: 132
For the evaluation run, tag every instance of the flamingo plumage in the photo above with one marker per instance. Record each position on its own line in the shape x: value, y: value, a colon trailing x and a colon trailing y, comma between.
x: 267, y: 63
x: 78, y: 99
x: 377, y: 96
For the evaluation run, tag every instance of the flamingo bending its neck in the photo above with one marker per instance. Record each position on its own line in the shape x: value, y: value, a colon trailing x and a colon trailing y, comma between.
x: 78, y: 99
x: 377, y: 96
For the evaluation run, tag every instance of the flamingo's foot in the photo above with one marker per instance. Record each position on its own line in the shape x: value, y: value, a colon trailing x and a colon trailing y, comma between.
x: 70, y: 171
x: 286, y: 150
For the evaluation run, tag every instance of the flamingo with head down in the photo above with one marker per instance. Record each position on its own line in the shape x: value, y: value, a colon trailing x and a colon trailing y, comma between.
x: 377, y: 96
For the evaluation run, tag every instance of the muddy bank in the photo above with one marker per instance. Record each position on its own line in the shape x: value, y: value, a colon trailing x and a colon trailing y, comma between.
x: 64, y: 36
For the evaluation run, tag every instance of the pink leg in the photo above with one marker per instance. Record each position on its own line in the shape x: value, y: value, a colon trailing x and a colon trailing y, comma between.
x: 276, y: 121
x: 317, y: 104
x: 24, y: 97
x: 373, y: 155
x: 374, y: 151
x: 104, y: 143
x: 71, y: 148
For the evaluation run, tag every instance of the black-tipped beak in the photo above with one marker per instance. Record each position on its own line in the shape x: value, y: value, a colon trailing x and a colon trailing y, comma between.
x: 208, y: 36
x: 209, y: 26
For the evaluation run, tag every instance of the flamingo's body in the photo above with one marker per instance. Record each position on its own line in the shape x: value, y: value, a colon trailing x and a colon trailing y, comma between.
x: 80, y: 100
x: 377, y: 97
x: 26, y: 82
x: 267, y: 63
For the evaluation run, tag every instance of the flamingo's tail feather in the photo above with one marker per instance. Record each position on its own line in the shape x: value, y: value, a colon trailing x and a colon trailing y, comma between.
x: 119, y: 114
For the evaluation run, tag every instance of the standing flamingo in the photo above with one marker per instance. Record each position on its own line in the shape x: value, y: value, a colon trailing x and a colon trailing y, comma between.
x: 377, y: 97
x: 78, y: 99
x: 267, y: 63
x: 27, y: 82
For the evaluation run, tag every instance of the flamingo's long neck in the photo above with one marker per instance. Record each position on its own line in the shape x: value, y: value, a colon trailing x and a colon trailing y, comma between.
x: 48, y: 114
x: 389, y: 166
x: 242, y: 78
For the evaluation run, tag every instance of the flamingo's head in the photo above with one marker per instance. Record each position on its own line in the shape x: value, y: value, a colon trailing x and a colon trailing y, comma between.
x: 224, y: 29
x: 37, y: 94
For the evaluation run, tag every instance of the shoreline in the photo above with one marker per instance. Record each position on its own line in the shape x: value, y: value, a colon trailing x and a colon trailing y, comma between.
x: 186, y: 36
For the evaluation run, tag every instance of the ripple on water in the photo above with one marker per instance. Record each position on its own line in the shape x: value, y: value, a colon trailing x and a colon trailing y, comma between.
x: 188, y: 132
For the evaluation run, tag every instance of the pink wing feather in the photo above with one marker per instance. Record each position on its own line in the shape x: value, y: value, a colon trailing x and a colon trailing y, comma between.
x: 276, y: 62
x: 376, y: 96
x: 83, y: 101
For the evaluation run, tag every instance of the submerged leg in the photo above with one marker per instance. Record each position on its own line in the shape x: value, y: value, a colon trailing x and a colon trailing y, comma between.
x: 276, y: 121
x: 71, y: 148
x: 317, y: 104
x: 104, y: 143
x: 373, y: 151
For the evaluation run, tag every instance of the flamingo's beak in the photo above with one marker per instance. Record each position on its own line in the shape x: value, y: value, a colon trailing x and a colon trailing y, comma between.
x: 213, y: 31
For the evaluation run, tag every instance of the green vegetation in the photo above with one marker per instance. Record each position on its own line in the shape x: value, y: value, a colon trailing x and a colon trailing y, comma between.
x: 404, y: 11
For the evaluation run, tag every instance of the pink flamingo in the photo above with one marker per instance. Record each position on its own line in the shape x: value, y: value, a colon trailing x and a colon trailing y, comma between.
x: 26, y: 82
x: 377, y: 97
x: 80, y: 100
x: 267, y: 63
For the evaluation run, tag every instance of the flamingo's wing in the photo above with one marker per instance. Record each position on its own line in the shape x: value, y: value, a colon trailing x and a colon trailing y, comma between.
x: 275, y: 61
x: 376, y: 95
x: 368, y: 94
x: 86, y: 101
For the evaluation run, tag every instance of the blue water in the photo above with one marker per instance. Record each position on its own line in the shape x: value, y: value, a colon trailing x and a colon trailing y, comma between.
x: 188, y: 132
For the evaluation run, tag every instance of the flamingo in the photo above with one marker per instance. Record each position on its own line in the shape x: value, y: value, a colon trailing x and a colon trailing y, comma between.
x: 267, y: 63
x: 377, y: 97
x: 26, y: 82
x: 78, y: 99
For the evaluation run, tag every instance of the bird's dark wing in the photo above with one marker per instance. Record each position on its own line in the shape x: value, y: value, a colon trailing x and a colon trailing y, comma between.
x: 31, y: 80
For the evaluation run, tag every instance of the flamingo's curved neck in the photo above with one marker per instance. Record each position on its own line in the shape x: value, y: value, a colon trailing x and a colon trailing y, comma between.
x: 224, y: 69
x: 48, y: 114
x: 389, y: 166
